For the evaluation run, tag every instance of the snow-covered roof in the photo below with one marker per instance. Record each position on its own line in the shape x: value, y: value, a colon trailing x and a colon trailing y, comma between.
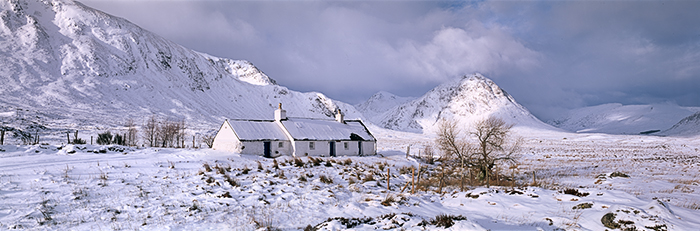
x: 257, y: 130
x: 316, y: 129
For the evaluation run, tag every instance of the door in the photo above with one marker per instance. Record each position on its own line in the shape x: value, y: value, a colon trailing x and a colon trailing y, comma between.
x: 332, y: 145
x: 359, y: 147
x: 266, y: 149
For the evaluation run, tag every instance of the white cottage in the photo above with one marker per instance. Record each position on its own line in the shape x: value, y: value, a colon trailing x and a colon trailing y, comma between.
x: 296, y: 136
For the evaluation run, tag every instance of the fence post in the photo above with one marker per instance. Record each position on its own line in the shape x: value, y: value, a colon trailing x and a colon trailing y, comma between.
x: 413, y: 179
x: 388, y: 177
x: 408, y: 151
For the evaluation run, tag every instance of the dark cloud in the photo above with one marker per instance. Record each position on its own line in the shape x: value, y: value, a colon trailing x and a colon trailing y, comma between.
x: 550, y: 56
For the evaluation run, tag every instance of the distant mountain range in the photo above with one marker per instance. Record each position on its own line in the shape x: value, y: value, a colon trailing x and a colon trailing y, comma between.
x: 627, y: 119
x: 64, y: 65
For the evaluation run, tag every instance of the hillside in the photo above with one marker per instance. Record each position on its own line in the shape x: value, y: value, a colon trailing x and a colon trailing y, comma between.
x: 468, y: 99
x: 379, y: 103
x: 688, y: 126
x: 616, y: 118
x: 66, y: 65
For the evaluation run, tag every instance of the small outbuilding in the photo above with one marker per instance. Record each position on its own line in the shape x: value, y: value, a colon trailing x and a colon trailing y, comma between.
x: 296, y: 136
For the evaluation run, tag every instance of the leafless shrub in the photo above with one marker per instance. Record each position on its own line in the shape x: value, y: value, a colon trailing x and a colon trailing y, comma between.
x: 429, y: 156
x: 281, y: 175
x: 368, y: 177
x: 583, y: 206
x: 206, y: 167
x: 46, y: 209
x: 210, y: 179
x: 381, y: 166
x: 388, y: 200
x: 619, y: 174
x: 245, y: 170
x: 275, y: 165
x: 443, y: 220
x: 298, y: 162
x: 230, y: 181
x: 315, y: 161
x: 103, y: 179
x: 226, y: 195
x: 325, y: 179
x: 208, y: 140
x: 220, y: 169
x: 575, y: 192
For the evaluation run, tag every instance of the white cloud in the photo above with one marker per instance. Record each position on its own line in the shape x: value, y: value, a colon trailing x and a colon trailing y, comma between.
x: 474, y: 48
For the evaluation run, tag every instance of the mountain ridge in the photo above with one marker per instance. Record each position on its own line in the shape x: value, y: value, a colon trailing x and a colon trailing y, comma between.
x: 69, y: 66
x: 616, y: 118
x: 467, y: 99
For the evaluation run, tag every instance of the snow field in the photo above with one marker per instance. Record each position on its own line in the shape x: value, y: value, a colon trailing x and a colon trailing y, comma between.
x: 86, y: 187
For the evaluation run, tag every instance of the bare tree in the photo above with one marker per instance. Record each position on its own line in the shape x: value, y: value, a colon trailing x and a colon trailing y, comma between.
x: 167, y: 133
x: 209, y: 140
x: 131, y: 133
x: 150, y: 130
x: 493, y: 145
x: 180, y: 133
x: 454, y: 146
x: 451, y: 143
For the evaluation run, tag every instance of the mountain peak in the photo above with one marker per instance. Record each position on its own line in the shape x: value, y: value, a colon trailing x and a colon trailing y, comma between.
x: 466, y: 99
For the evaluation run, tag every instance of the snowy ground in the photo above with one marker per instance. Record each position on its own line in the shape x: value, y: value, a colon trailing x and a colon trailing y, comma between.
x: 101, y: 188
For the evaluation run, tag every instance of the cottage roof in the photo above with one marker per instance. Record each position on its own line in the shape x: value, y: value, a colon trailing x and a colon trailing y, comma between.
x: 257, y: 130
x: 316, y: 129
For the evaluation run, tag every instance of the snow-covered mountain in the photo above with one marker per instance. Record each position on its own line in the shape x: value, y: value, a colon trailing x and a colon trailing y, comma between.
x: 468, y: 99
x: 69, y: 65
x: 616, y: 118
x: 688, y: 126
x: 379, y: 103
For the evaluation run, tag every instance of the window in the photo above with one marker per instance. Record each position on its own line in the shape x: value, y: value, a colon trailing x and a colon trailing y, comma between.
x: 346, y: 145
x: 311, y: 145
x: 280, y: 145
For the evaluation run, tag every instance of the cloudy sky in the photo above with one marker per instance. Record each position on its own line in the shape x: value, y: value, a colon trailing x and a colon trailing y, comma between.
x: 550, y: 55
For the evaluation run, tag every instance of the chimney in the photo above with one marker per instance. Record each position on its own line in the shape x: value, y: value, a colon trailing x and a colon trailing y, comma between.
x: 280, y: 114
x: 339, y: 116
